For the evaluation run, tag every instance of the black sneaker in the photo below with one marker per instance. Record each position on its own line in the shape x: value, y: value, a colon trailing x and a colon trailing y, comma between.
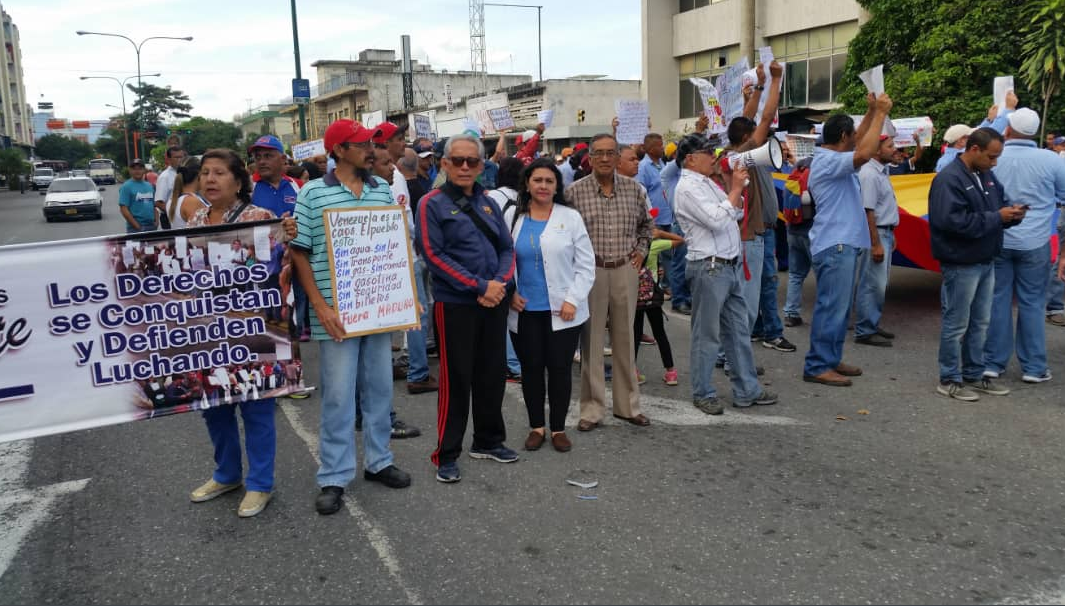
x: 329, y: 500
x: 448, y: 473
x: 390, y: 476
x: 500, y: 454
x: 779, y: 344
x: 792, y: 321
x: 874, y: 339
x: 884, y: 333
x: 402, y: 431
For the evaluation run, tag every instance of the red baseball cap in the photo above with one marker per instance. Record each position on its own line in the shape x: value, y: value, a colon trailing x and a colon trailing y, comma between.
x: 386, y: 130
x: 578, y: 147
x: 348, y: 131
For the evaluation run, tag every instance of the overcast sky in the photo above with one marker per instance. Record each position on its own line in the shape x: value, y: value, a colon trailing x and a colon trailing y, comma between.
x: 241, y: 55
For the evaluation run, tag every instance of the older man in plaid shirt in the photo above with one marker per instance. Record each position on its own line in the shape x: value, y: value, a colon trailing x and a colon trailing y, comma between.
x: 614, y: 209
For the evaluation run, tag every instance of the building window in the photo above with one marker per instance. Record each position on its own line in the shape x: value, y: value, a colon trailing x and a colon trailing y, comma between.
x: 815, y: 60
x: 707, y: 64
x: 687, y: 5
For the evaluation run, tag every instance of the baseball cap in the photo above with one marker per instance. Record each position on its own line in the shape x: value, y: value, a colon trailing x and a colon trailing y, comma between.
x: 671, y: 148
x: 694, y: 142
x: 348, y: 131
x: 424, y: 149
x: 957, y: 132
x: 1024, y: 121
x: 567, y: 152
x: 1059, y: 140
x: 137, y: 162
x: 267, y: 142
x: 580, y: 147
x: 386, y: 130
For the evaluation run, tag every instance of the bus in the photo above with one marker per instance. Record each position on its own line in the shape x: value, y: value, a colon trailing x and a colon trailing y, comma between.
x: 102, y: 170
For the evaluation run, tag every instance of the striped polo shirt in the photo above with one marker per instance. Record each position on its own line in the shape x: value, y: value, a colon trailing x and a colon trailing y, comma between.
x: 314, y: 198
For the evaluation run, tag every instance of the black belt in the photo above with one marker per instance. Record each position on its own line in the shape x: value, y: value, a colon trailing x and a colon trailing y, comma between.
x: 887, y: 227
x: 721, y: 260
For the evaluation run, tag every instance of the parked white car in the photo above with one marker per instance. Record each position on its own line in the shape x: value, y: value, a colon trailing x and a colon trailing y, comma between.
x: 72, y: 197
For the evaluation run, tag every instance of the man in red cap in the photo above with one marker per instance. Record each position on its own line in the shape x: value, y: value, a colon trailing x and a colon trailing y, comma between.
x: 572, y: 163
x: 348, y: 365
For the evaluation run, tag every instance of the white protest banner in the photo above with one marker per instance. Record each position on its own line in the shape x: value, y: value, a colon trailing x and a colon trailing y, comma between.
x: 711, y: 105
x: 633, y: 115
x: 371, y: 269
x: 478, y: 110
x: 1003, y: 85
x: 802, y: 146
x: 765, y: 55
x: 501, y: 118
x: 372, y: 119
x: 308, y: 149
x: 730, y: 89
x: 97, y: 332
x: 888, y: 129
x: 874, y: 79
x: 750, y: 78
x: 422, y: 126
x: 545, y: 117
x: 910, y: 132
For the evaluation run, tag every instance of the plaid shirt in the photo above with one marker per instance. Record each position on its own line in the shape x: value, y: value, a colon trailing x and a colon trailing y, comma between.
x: 617, y: 225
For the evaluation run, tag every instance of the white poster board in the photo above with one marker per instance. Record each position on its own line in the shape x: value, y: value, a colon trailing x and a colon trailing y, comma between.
x: 633, y: 115
x: 711, y: 105
x: 730, y: 89
x: 545, y: 117
x: 371, y: 269
x: 372, y: 119
x: 910, y: 132
x: 501, y: 118
x: 1003, y: 85
x: 478, y: 109
x: 423, y: 127
x: 874, y: 79
x: 308, y: 149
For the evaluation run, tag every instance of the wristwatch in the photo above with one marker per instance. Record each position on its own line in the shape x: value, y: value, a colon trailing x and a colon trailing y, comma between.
x: 759, y: 87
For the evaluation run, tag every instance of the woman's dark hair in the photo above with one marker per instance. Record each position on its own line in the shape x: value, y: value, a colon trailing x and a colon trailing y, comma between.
x: 188, y: 172
x: 296, y: 172
x: 525, y: 198
x: 235, y: 164
x: 509, y: 174
x: 313, y: 172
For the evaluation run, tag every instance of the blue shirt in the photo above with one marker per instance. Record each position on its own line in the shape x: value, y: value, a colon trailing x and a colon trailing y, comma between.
x: 1000, y: 122
x: 947, y: 157
x: 531, y: 281
x: 488, y: 176
x: 139, y: 197
x: 840, y: 217
x: 650, y: 177
x: 1035, y: 177
x: 278, y: 200
x: 670, y: 177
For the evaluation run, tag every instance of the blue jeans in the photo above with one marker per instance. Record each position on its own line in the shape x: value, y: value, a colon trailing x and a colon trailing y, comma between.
x: 1022, y: 273
x: 513, y: 365
x: 678, y: 280
x: 417, y: 358
x: 260, y: 442
x: 799, y: 263
x: 872, y: 286
x: 752, y: 289
x: 719, y: 324
x: 835, y: 268
x: 768, y: 325
x: 363, y: 364
x: 966, y: 301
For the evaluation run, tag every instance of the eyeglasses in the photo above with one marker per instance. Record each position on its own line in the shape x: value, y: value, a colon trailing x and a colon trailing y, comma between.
x: 458, y: 161
x: 603, y: 153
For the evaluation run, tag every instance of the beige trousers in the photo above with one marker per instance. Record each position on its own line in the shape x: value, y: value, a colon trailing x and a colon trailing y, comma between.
x: 613, y: 296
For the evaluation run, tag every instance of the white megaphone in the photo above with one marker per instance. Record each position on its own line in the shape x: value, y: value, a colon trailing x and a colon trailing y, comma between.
x: 769, y: 154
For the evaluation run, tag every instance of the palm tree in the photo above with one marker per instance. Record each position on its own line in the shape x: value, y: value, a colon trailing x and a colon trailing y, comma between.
x: 1043, y: 51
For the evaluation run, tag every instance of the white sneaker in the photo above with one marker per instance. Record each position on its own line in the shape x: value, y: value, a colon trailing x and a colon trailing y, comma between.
x: 1043, y: 378
x: 990, y: 374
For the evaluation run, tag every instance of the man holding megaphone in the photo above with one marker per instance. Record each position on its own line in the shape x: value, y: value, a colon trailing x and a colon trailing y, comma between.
x: 839, y: 234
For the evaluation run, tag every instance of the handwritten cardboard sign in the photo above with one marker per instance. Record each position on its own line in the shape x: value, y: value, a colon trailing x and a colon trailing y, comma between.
x: 371, y: 269
x: 632, y: 115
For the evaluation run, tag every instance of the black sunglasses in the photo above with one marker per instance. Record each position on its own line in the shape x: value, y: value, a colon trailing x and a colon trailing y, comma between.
x: 471, y: 161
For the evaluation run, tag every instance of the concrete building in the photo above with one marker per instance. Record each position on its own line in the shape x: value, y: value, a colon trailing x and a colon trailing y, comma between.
x: 268, y: 119
x: 347, y: 89
x: 15, y: 113
x: 700, y: 38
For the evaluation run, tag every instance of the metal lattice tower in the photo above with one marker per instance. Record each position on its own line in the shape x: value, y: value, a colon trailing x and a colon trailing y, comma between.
x: 478, y: 57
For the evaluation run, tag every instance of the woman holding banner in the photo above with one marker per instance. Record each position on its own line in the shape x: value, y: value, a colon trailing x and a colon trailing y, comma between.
x: 555, y: 272
x: 225, y: 184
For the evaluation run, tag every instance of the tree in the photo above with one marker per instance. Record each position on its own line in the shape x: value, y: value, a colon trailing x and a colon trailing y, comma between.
x: 207, y: 133
x: 112, y: 142
x: 156, y: 104
x: 58, y: 147
x: 13, y: 164
x: 1044, y: 51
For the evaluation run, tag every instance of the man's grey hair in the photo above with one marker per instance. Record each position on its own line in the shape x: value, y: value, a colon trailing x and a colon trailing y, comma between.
x: 475, y: 140
x: 409, y: 161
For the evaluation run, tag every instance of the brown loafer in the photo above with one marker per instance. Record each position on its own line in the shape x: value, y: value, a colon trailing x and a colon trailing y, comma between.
x: 586, y: 425
x: 848, y: 371
x: 561, y: 442
x: 829, y: 377
x: 638, y: 420
x: 534, y: 441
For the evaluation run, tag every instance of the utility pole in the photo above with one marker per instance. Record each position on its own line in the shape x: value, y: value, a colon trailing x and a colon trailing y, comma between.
x: 299, y: 73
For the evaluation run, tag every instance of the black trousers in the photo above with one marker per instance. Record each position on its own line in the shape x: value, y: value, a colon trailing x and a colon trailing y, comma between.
x: 541, y: 349
x: 658, y: 328
x: 473, y: 366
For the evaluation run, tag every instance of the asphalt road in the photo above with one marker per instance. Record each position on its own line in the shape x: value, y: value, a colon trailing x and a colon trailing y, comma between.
x: 922, y: 500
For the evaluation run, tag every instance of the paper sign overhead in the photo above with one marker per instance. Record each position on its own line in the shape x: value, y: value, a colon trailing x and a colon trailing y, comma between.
x: 545, y: 117
x: 874, y: 79
x: 632, y: 115
x: 765, y: 55
x: 711, y: 105
x: 1003, y: 85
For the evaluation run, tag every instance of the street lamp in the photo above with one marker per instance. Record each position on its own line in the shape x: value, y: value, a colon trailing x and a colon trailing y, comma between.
x: 122, y: 87
x: 136, y: 47
x: 539, y: 40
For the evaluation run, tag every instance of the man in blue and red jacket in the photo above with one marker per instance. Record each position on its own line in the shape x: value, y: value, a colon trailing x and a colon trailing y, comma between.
x: 470, y: 255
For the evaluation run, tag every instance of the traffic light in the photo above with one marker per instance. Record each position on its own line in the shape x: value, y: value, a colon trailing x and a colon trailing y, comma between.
x: 580, y: 116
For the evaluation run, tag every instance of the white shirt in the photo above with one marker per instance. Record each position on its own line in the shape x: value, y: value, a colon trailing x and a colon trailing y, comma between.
x: 503, y: 195
x: 179, y: 221
x: 401, y: 194
x: 164, y: 185
x: 707, y: 217
x: 569, y: 263
x: 567, y: 173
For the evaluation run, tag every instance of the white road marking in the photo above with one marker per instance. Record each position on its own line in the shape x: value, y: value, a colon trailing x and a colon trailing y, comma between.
x: 667, y: 411
x: 374, y: 533
x: 1052, y: 594
x: 22, y: 509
